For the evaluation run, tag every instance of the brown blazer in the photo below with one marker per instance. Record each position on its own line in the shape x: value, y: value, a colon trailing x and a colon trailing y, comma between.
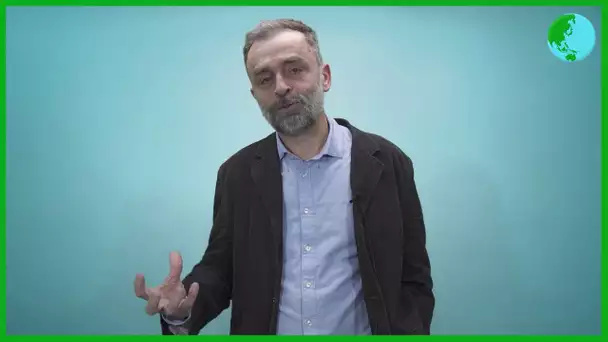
x: 242, y: 265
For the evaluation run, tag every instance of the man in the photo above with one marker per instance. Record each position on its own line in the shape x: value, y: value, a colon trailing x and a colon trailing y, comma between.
x: 317, y: 228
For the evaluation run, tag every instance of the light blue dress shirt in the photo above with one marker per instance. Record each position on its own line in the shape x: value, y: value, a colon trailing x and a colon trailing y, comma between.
x: 322, y: 292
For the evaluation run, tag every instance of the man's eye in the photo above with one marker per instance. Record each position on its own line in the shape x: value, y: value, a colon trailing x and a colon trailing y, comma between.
x: 264, y: 80
x: 295, y: 70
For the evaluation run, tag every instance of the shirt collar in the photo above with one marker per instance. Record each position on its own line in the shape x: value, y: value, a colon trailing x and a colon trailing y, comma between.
x: 333, y: 147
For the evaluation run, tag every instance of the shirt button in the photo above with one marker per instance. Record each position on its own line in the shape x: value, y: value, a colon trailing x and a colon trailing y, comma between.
x: 306, y: 210
x: 308, y: 284
x: 307, y: 248
x: 308, y: 322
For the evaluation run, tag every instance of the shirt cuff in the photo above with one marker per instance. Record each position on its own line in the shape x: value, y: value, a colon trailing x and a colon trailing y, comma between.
x: 175, y: 323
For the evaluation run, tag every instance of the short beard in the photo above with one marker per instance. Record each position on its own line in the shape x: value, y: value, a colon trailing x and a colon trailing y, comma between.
x: 296, y: 124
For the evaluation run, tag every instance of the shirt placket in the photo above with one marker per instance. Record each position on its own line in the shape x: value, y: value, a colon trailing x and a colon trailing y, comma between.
x: 309, y: 217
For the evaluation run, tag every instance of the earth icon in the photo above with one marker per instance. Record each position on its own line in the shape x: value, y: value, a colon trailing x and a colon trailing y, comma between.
x: 571, y: 37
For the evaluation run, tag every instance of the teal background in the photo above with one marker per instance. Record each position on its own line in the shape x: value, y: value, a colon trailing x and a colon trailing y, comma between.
x: 118, y: 119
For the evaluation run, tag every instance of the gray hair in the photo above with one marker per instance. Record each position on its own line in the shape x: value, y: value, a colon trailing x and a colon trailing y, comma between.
x: 267, y: 29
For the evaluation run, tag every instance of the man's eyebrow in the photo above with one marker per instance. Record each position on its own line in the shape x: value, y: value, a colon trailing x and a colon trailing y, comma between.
x: 293, y: 59
x: 257, y: 71
x: 289, y: 60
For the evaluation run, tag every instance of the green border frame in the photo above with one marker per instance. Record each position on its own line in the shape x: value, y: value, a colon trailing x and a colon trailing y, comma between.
x: 566, y: 3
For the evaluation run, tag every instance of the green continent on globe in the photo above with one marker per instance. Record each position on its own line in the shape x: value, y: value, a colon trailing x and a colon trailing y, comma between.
x: 559, y: 30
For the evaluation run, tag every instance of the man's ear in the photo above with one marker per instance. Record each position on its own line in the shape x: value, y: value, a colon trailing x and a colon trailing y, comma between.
x: 326, y: 74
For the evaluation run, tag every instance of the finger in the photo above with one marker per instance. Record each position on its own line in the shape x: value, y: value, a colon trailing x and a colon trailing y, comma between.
x: 140, y: 287
x: 188, y: 302
x: 152, y: 307
x: 175, y: 267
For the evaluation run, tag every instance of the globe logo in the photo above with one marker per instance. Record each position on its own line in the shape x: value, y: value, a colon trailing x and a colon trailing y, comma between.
x: 571, y: 37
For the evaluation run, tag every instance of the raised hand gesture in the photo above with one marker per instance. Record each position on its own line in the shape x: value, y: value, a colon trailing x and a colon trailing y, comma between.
x: 170, y: 297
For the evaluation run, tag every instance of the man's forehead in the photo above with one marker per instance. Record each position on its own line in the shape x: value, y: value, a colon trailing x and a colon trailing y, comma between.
x: 287, y: 45
x: 287, y: 37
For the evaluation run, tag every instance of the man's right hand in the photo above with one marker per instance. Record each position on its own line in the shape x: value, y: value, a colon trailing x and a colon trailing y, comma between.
x: 170, y: 297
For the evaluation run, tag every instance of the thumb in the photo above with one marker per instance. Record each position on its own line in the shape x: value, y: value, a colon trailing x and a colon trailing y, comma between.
x: 175, y: 267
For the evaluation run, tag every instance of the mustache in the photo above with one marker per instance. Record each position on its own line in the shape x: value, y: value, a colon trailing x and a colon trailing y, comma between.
x: 286, y: 102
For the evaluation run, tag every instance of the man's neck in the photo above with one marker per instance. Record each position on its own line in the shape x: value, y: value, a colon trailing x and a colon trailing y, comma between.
x: 310, y: 143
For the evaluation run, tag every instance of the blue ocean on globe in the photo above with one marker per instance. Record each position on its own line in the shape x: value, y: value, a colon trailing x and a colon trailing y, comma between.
x: 579, y: 37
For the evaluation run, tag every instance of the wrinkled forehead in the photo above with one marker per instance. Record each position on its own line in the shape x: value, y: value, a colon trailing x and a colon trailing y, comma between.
x: 277, y: 49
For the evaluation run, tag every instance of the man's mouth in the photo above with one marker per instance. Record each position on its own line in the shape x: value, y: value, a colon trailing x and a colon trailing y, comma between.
x: 285, y: 106
x: 288, y: 105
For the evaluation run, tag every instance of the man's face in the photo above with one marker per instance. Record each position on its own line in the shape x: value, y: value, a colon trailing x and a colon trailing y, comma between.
x: 287, y: 82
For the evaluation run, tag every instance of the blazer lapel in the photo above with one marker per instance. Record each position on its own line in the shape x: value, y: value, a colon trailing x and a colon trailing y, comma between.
x: 266, y: 174
x: 366, y: 169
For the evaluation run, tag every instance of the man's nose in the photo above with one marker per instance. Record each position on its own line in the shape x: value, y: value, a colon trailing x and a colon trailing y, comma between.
x: 281, y: 88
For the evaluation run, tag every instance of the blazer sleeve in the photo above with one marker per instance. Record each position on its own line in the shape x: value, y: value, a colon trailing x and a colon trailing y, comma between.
x: 214, y: 272
x: 416, y: 280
